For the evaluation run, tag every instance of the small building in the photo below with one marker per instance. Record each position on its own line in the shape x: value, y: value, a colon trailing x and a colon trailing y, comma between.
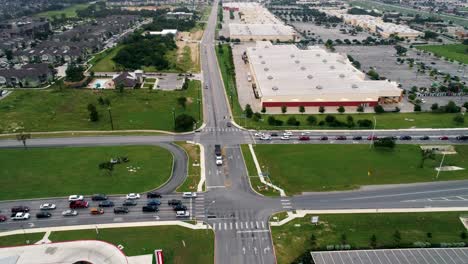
x: 128, y: 79
x: 163, y: 32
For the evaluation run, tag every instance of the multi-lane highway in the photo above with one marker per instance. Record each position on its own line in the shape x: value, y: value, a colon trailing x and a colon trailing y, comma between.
x: 238, y: 215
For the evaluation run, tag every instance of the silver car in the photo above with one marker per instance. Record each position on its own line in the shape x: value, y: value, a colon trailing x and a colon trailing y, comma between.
x: 70, y: 212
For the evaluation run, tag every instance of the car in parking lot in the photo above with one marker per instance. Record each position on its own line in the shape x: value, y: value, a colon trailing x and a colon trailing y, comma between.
x: 120, y: 210
x: 405, y: 138
x: 304, y: 138
x: 106, y: 204
x: 43, y: 215
x: 3, y: 218
x: 357, y: 138
x: 129, y: 203
x: 96, y: 211
x: 323, y: 138
x: 180, y: 207
x: 424, y: 138
x: 133, y: 196
x: 153, y: 195
x: 341, y: 138
x: 99, y: 197
x: 174, y: 202
x: 181, y: 214
x: 150, y: 208
x: 189, y: 195
x: 443, y: 138
x: 70, y: 213
x: 20, y: 209
x: 20, y: 216
x: 75, y: 197
x: 78, y: 204
x: 47, y: 206
x: 153, y: 202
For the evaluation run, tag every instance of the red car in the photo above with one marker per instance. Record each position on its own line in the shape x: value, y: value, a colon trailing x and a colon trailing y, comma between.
x: 443, y: 138
x: 3, y: 218
x: 304, y: 138
x: 78, y: 204
x: 372, y: 138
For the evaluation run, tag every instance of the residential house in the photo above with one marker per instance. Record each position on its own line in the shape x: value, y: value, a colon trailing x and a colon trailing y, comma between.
x: 29, y: 75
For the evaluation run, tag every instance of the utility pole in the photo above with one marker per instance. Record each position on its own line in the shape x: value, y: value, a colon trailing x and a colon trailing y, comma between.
x: 373, y: 132
x: 110, y: 118
x: 173, y: 117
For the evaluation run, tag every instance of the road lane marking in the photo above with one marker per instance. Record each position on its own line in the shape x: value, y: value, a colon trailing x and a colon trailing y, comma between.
x: 252, y: 231
x: 237, y: 227
x: 403, y: 194
x: 242, y: 226
x: 263, y: 224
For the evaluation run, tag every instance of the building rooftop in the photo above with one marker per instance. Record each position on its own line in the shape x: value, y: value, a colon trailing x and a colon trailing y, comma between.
x: 260, y: 29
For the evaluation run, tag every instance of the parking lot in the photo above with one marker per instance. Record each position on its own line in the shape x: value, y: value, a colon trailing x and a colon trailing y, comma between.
x: 168, y: 81
x: 321, y: 32
x: 391, y: 256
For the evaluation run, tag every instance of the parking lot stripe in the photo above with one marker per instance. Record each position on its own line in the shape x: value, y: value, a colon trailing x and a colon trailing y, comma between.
x: 393, y: 252
x: 242, y: 226
x: 225, y: 226
x: 237, y: 227
x: 251, y: 225
x: 220, y: 227
x: 263, y: 224
x: 230, y: 225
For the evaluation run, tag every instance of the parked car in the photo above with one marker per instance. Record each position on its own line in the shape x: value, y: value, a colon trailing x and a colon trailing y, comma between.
x: 153, y: 195
x: 43, y: 215
x: 70, y: 213
x: 304, y: 138
x: 133, y: 196
x: 323, y: 138
x: 181, y: 214
x: 78, y: 204
x: 150, y: 208
x: 405, y: 138
x: 153, y: 202
x: 189, y: 195
x: 357, y: 138
x: 106, y: 204
x: 20, y: 209
x: 174, y: 202
x: 120, y: 210
x: 129, y: 203
x: 75, y: 197
x: 424, y: 138
x: 341, y: 138
x: 96, y: 211
x: 99, y: 197
x: 3, y: 218
x: 20, y: 216
x: 180, y: 207
x: 47, y: 206
x: 443, y: 138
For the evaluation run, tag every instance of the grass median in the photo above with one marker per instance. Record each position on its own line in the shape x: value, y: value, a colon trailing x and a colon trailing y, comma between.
x: 193, y: 177
x: 452, y: 51
x: 298, y: 237
x: 327, y: 167
x: 49, y: 172
x: 66, y: 110
x: 22, y: 239
x: 180, y: 245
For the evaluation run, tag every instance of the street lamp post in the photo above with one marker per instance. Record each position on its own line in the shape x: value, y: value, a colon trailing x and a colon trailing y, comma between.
x: 373, y: 132
x: 110, y: 118
x: 173, y: 117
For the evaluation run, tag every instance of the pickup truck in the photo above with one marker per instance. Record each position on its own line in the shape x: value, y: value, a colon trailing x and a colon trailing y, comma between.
x: 20, y: 216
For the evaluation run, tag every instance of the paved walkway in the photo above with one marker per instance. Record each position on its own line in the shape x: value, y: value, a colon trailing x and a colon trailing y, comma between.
x: 260, y: 174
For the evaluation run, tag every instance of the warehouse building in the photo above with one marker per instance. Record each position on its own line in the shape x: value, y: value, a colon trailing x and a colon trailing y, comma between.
x: 284, y: 75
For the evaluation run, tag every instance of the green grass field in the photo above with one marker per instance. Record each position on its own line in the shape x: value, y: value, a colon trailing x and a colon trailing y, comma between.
x: 227, y: 72
x: 54, y: 110
x: 193, y: 177
x: 17, y: 240
x: 291, y: 241
x: 102, y: 62
x: 198, y: 248
x: 451, y: 51
x: 69, y: 11
x: 50, y: 172
x: 302, y: 168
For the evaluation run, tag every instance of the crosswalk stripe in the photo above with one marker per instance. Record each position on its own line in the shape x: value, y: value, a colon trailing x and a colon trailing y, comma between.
x: 225, y: 226
x: 219, y: 226
x: 230, y: 225
x: 263, y: 225
x: 251, y: 224
x: 237, y: 226
x: 242, y: 225
x: 256, y: 224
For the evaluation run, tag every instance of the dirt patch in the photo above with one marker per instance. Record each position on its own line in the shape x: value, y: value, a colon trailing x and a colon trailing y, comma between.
x: 190, y: 40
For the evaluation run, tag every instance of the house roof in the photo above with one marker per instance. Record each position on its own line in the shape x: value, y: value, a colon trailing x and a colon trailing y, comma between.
x: 125, y: 78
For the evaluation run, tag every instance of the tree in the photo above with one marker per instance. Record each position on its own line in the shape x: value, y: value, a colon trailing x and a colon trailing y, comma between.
x: 379, y: 109
x: 184, y: 122
x: 292, y: 121
x: 350, y: 121
x: 322, y: 109
x: 400, y: 50
x: 435, y: 107
x: 386, y: 142
x: 248, y: 111
x: 182, y: 101
x: 360, y: 109
x: 263, y: 110
x: 465, y: 105
x: 74, y: 73
x: 256, y: 116
x: 341, y: 109
x: 459, y: 119
x: 120, y: 87
x: 108, y: 166
x: 301, y: 109
x: 185, y: 86
x: 373, y: 75
x: 426, y: 154
x: 284, y: 109
x: 417, y: 108
x: 397, y: 237
x: 312, y: 120
x: 373, y: 241
x: 364, y: 123
x: 23, y: 137
x: 313, y: 241
x: 451, y: 107
x: 93, y: 113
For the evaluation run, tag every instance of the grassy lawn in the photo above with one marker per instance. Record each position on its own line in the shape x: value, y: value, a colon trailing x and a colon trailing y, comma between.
x: 54, y: 110
x: 193, y: 177
x: 301, y: 168
x: 198, y: 248
x: 50, y: 172
x: 384, y: 121
x: 102, y: 62
x: 226, y: 66
x: 69, y: 11
x: 291, y: 241
x: 452, y: 51
x: 255, y: 182
x: 18, y: 240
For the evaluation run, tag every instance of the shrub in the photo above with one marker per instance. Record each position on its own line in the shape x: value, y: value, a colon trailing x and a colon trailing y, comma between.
x: 284, y: 109
x: 341, y: 109
x: 322, y: 109
x: 379, y: 109
x: 386, y: 142
x: 184, y: 122
x: 256, y: 116
x: 292, y: 121
x: 360, y: 109
x: 330, y: 119
x: 459, y: 119
x: 417, y: 108
x: 248, y: 111
x: 312, y: 120
x: 364, y: 123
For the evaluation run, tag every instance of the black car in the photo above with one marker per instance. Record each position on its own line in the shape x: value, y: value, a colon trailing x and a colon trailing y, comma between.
x: 120, y: 210
x: 174, y: 202
x: 99, y: 197
x: 153, y: 202
x: 274, y: 134
x: 150, y: 208
x: 106, y: 204
x: 153, y: 195
x: 20, y: 209
x: 180, y: 207
x: 424, y: 138
x: 357, y: 138
x: 43, y: 215
x: 405, y: 138
x: 462, y: 137
x: 323, y: 138
x: 129, y: 203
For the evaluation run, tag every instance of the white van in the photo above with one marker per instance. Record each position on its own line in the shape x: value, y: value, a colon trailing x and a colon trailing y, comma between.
x: 189, y: 195
x: 182, y: 214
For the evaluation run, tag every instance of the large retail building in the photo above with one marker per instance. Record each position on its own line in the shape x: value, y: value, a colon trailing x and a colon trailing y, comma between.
x: 284, y: 75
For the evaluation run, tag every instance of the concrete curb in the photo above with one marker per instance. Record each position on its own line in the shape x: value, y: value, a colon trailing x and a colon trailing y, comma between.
x: 102, y: 132
x: 202, y: 168
x: 303, y: 213
x: 259, y: 171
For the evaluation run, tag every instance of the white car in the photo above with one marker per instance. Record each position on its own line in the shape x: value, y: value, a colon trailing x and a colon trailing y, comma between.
x: 266, y: 137
x: 21, y: 216
x: 189, y: 195
x: 287, y: 133
x: 47, y: 206
x: 258, y: 134
x: 285, y: 137
x: 219, y: 160
x: 75, y: 197
x: 133, y: 196
x: 182, y: 214
x: 305, y: 133
x: 70, y: 213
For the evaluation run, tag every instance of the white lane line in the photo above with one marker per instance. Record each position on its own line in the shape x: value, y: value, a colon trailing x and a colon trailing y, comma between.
x: 263, y: 224
x: 237, y: 227
x: 242, y: 225
x: 253, y: 231
x: 404, y: 194
x: 256, y: 224
x: 225, y: 226
x: 230, y: 225
x: 251, y: 225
